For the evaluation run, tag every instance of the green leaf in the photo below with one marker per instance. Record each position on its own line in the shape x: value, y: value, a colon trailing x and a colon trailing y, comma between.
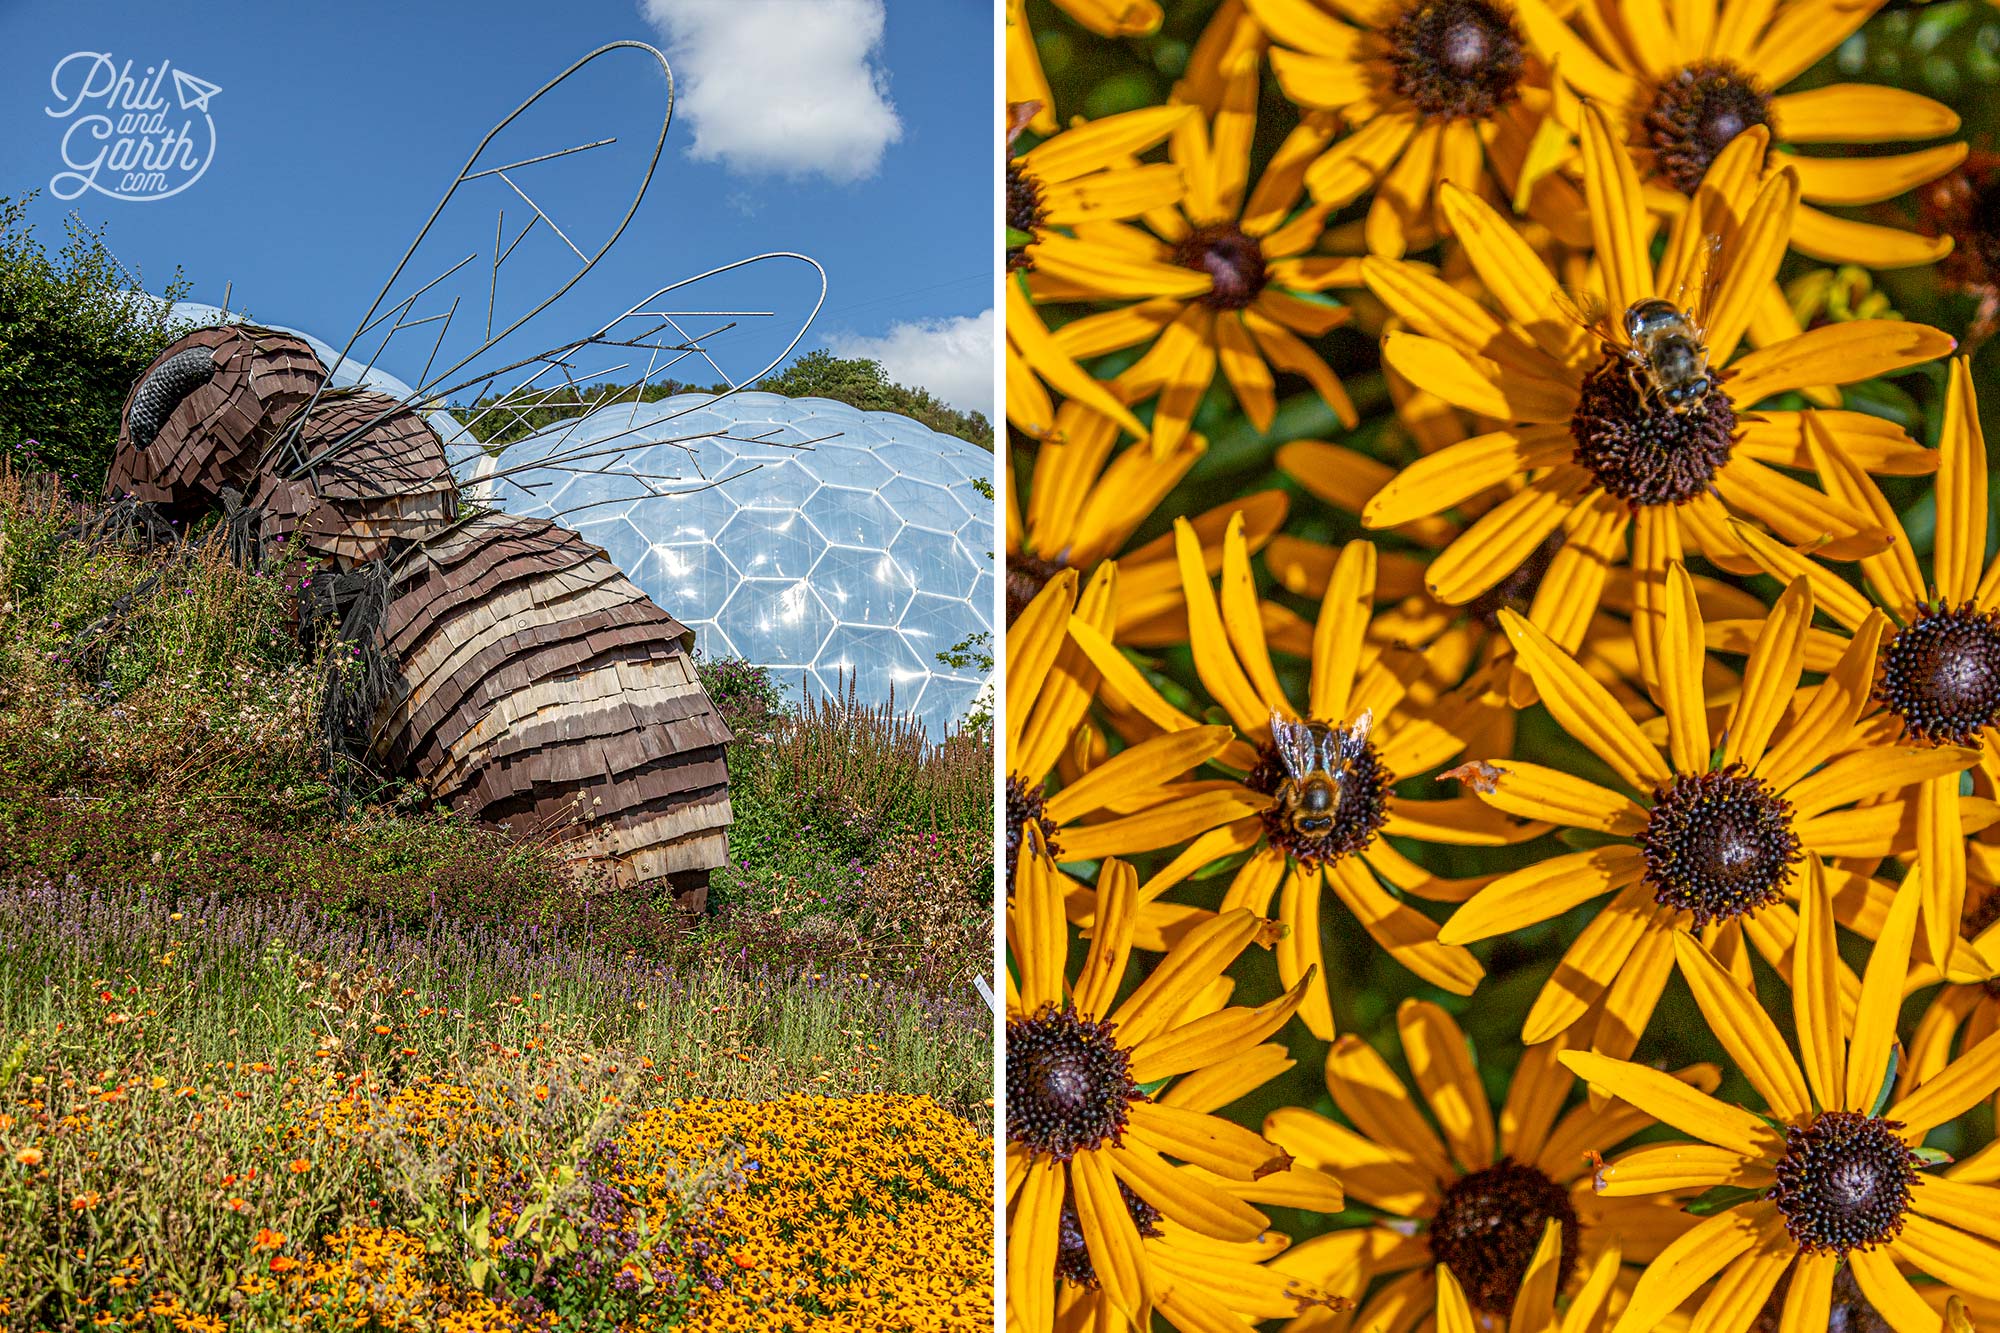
x: 1932, y: 1156
x: 1016, y: 238
x: 1722, y: 1198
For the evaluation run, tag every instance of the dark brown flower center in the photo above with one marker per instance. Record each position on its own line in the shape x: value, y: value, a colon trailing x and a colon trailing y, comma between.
x: 1326, y: 812
x: 1027, y: 575
x: 1638, y: 449
x: 1719, y: 845
x: 1695, y: 113
x: 1024, y: 213
x: 1455, y: 59
x: 1069, y: 1083
x: 1073, y: 1255
x: 1517, y: 591
x: 1844, y: 1182
x: 1027, y: 805
x: 1233, y: 260
x: 1489, y: 1225
x: 1941, y: 674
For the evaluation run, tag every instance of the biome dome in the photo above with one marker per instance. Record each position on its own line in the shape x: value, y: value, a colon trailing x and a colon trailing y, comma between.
x: 801, y: 534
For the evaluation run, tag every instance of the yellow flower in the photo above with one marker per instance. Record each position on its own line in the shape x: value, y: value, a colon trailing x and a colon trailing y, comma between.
x: 1090, y: 1189
x: 1727, y: 815
x: 1355, y: 723
x: 1222, y: 281
x: 1084, y: 502
x: 1131, y: 802
x: 1833, y: 1173
x: 1940, y: 680
x: 1602, y: 450
x: 1086, y: 174
x: 1465, y: 1210
x: 1685, y: 80
x: 1424, y: 85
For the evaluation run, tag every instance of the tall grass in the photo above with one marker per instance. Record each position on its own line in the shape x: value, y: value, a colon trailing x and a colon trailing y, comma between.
x: 263, y: 980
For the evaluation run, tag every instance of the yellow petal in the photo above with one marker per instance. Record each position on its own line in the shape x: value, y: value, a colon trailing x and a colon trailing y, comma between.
x: 1033, y: 1241
x: 1809, y: 1303
x: 1960, y: 553
x: 1368, y: 1093
x: 1219, y: 1145
x: 1542, y: 891
x: 1752, y: 261
x: 1590, y: 963
x: 1683, y: 657
x: 1860, y: 113
x: 1443, y: 480
x: 1667, y: 1099
x: 1186, y: 970
x: 1505, y: 536
x: 1842, y: 353
x: 1511, y: 271
x: 1584, y: 708
x: 1842, y: 241
x: 1680, y: 1269
x: 1442, y: 1067
x: 1971, y: 1077
x: 1182, y: 1195
x: 1826, y: 722
x: 1672, y: 1167
x: 1108, y: 1233
x: 1816, y: 992
x: 1769, y: 677
x: 1408, y: 935
x: 1745, y: 1030
x: 1852, y: 181
x: 1941, y: 862
x: 1340, y: 631
x: 1618, y: 213
x: 1891, y: 1294
x: 1965, y: 1264
x: 1484, y: 391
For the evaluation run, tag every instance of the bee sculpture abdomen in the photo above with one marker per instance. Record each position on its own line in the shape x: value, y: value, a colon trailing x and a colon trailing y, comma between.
x: 531, y: 683
x: 200, y: 416
x: 538, y: 686
x: 382, y: 480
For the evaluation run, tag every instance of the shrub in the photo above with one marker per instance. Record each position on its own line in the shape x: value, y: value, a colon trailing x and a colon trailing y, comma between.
x: 75, y: 331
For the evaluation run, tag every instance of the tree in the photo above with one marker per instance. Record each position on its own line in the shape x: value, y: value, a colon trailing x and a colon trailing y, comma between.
x: 75, y: 331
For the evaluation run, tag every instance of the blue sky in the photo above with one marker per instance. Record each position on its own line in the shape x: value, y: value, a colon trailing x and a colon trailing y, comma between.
x: 858, y: 131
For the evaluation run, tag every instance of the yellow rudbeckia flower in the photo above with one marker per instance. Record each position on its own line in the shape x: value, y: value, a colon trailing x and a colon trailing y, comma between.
x: 1602, y: 452
x: 1729, y: 813
x: 1224, y: 281
x: 1684, y: 80
x: 1102, y: 1093
x: 1833, y: 1173
x: 1940, y: 677
x: 1458, y: 1197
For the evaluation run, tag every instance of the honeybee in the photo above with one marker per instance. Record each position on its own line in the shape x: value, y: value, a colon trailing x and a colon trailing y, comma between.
x: 1665, y: 346
x: 1317, y: 759
x: 1665, y: 357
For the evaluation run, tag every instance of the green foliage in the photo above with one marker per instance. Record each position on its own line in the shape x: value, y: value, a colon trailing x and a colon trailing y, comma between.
x: 857, y: 382
x: 862, y: 383
x: 74, y: 333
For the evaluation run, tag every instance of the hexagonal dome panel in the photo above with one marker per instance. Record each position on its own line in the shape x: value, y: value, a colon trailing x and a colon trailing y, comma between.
x: 801, y: 534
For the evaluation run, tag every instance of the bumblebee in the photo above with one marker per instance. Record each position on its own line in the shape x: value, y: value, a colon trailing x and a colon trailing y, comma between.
x: 1317, y: 760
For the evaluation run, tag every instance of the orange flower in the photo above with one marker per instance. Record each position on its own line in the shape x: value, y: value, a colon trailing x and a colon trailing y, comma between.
x: 381, y: 1029
x: 268, y: 1239
x: 236, y: 1205
x: 281, y: 1263
x: 86, y: 1201
x: 28, y: 1156
x: 300, y: 1165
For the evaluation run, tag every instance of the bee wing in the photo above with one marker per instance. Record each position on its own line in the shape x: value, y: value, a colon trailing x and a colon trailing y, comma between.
x: 1586, y: 308
x: 1294, y: 743
x: 1703, y: 278
x: 474, y: 309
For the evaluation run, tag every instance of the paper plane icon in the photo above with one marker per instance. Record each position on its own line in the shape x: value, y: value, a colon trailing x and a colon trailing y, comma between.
x: 194, y: 93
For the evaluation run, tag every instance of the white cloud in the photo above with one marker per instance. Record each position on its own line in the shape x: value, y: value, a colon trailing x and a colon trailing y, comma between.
x: 794, y: 87
x: 953, y: 358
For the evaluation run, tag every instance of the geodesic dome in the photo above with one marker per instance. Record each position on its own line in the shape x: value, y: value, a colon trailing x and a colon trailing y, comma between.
x: 801, y: 534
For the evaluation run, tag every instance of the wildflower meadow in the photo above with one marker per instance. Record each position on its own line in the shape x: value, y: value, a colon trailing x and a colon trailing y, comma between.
x: 285, y: 1046
x: 1503, y: 668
